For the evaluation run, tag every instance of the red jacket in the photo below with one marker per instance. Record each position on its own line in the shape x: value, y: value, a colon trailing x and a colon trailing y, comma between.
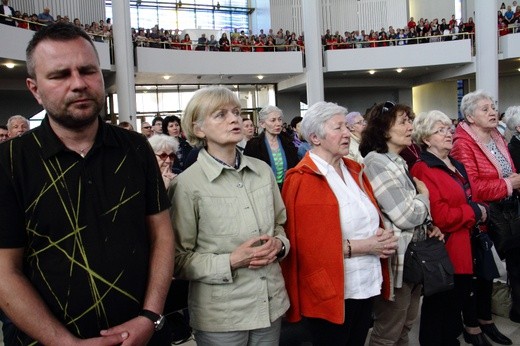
x: 313, y: 269
x: 485, y: 177
x: 450, y: 210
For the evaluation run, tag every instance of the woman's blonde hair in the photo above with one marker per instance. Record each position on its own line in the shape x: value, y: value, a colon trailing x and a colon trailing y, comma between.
x: 204, y: 102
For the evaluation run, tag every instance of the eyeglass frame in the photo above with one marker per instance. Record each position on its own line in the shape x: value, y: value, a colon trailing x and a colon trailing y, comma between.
x: 440, y: 130
x: 360, y: 122
x: 163, y: 156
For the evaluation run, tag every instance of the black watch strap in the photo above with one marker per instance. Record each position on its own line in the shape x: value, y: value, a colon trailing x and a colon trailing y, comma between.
x: 158, y: 320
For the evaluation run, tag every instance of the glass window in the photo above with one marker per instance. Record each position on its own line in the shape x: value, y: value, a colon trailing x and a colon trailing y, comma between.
x: 203, y: 14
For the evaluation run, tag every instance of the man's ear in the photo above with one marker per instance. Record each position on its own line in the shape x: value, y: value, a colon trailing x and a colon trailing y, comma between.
x: 33, y: 87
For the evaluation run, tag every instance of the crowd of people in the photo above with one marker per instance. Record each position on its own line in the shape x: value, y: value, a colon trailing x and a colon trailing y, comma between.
x: 281, y: 227
x: 420, y: 31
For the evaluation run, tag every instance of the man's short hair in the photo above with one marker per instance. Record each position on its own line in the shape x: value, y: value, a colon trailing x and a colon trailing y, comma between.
x: 3, y: 127
x: 156, y: 119
x: 56, y: 32
x: 13, y: 118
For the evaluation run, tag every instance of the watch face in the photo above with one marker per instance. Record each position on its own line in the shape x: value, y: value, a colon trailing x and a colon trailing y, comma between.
x: 159, y: 323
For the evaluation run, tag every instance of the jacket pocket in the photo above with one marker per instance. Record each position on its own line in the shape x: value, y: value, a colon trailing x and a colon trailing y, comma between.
x: 320, y: 284
x: 218, y: 216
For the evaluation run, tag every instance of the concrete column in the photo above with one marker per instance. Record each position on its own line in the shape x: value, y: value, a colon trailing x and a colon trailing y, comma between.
x: 486, y: 46
x: 124, y: 59
x: 313, y: 51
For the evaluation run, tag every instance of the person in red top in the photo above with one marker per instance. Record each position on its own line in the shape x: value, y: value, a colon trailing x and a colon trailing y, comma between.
x: 502, y: 27
x: 186, y: 42
x: 338, y: 259
x: 456, y: 216
x: 493, y: 179
x: 373, y: 40
x: 453, y: 22
x: 24, y: 24
x: 259, y: 45
x: 411, y: 23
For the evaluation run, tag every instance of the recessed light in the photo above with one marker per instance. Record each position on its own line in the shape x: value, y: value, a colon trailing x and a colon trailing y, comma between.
x: 9, y: 65
x: 260, y: 77
x: 371, y: 71
x: 166, y: 77
x: 399, y: 70
x: 519, y: 70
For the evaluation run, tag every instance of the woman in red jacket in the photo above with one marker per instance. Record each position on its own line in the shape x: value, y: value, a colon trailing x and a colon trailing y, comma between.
x: 455, y: 214
x: 493, y: 179
x: 333, y: 270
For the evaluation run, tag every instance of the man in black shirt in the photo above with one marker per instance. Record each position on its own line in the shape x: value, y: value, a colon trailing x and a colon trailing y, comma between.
x: 86, y: 243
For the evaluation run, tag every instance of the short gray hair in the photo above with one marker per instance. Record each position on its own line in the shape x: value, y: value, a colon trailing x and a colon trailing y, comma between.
x: 16, y: 117
x: 164, y: 142
x: 512, y: 118
x: 469, y: 102
x: 316, y: 116
x: 264, y: 112
x: 423, y: 125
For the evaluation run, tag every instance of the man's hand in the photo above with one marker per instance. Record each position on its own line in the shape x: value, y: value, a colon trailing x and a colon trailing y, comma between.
x: 139, y: 331
x: 110, y: 340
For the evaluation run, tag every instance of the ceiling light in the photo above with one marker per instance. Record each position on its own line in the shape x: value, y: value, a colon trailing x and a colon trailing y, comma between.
x: 9, y: 65
x: 166, y: 77
x: 260, y: 77
x: 399, y: 70
x: 519, y: 70
x: 372, y: 71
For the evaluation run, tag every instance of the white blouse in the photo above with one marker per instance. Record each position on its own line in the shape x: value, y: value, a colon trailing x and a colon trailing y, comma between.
x: 359, y: 219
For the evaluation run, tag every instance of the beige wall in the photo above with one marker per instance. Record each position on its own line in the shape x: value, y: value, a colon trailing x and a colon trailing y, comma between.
x: 440, y: 96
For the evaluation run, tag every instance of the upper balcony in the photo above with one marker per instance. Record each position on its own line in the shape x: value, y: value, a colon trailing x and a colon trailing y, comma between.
x: 346, y: 68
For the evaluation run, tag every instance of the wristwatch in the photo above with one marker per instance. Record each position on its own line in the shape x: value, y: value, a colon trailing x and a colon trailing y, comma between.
x: 282, y: 251
x: 158, y: 320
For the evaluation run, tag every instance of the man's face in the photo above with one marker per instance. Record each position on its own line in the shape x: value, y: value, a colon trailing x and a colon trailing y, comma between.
x: 3, y: 135
x: 157, y: 128
x: 146, y: 129
x: 17, y: 127
x: 68, y: 85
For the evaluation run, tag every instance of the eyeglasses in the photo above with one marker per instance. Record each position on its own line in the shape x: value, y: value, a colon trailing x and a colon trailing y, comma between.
x: 443, y: 131
x: 164, y: 156
x: 147, y: 127
x: 387, y: 107
x: 361, y: 122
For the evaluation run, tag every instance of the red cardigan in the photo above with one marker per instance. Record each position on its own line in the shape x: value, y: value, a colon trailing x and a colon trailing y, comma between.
x: 313, y: 269
x: 449, y: 208
x: 485, y: 177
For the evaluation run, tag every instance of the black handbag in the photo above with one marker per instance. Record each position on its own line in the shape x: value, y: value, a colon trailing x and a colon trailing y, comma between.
x: 427, y: 262
x: 504, y: 224
x: 486, y: 263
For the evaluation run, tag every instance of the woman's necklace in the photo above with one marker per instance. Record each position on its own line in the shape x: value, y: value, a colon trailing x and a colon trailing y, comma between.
x: 273, y: 142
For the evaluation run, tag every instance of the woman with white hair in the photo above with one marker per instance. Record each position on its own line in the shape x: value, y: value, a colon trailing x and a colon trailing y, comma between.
x: 493, y: 180
x: 334, y: 270
x: 165, y: 148
x: 272, y: 146
x: 454, y: 212
x: 356, y: 124
x: 512, y: 120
